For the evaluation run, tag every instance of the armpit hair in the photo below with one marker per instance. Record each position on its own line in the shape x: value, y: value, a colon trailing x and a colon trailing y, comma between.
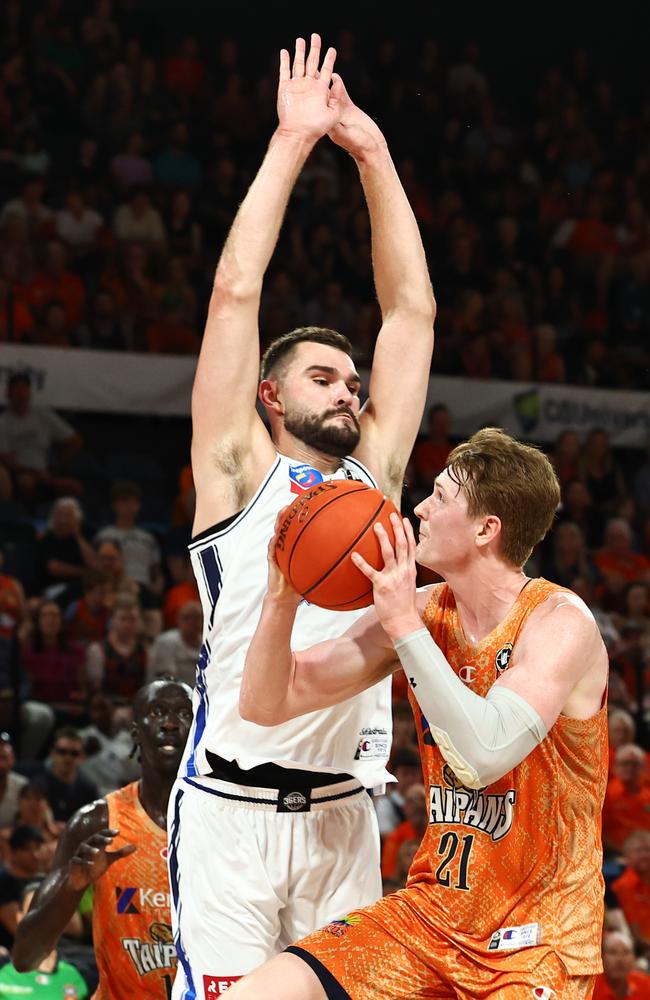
x: 228, y: 460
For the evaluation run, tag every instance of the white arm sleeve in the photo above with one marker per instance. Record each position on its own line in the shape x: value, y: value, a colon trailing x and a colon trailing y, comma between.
x: 480, y: 738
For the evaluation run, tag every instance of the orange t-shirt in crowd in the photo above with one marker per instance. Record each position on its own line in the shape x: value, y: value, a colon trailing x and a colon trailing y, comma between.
x: 15, y: 327
x: 68, y: 290
x: 638, y: 986
x: 430, y: 459
x: 11, y: 603
x: 624, y: 812
x: 633, y: 895
x: 132, y: 932
x: 175, y: 598
x: 405, y: 831
x: 631, y: 566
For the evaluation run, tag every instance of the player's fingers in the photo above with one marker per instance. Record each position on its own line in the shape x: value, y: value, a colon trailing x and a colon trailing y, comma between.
x: 85, y: 852
x: 100, y: 840
x: 285, y: 66
x: 387, y: 550
x: 365, y: 567
x: 113, y: 856
x: 328, y: 66
x: 299, y: 58
x: 313, y: 59
x: 401, y: 544
x: 338, y: 87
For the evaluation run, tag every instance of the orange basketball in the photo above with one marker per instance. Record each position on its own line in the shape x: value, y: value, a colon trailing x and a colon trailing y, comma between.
x: 319, y: 532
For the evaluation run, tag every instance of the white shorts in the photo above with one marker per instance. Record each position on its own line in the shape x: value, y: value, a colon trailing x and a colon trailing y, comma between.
x: 251, y: 871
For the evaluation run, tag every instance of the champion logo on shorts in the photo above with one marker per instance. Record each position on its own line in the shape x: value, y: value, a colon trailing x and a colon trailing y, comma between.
x: 215, y: 986
x: 543, y: 992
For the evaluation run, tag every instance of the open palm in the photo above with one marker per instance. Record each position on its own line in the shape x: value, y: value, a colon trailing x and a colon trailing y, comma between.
x: 306, y: 105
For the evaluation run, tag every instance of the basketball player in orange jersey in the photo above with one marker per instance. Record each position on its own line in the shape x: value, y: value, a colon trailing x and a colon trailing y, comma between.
x: 292, y: 797
x: 119, y: 846
x: 507, y: 683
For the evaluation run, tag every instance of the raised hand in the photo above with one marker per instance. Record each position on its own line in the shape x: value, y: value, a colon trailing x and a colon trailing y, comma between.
x: 307, y: 107
x: 92, y: 858
x: 355, y: 131
x: 393, y: 586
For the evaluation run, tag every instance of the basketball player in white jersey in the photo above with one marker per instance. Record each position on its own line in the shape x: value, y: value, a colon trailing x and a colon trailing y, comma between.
x: 272, y: 831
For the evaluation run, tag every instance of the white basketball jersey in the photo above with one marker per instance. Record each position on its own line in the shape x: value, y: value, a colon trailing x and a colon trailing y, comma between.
x: 230, y: 564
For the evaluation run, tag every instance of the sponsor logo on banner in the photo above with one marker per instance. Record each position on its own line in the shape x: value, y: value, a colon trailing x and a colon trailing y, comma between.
x: 527, y: 408
x: 216, y: 986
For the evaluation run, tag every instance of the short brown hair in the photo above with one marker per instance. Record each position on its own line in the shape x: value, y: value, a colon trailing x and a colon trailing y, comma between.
x: 516, y: 482
x: 279, y: 351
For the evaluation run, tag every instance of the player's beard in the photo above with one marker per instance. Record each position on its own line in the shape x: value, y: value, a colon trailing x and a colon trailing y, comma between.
x: 319, y: 432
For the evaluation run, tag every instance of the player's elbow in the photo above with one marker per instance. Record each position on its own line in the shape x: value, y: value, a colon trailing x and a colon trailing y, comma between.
x: 250, y: 710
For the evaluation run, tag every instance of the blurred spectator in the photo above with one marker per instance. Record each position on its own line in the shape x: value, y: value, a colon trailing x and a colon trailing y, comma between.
x: 60, y: 779
x: 137, y: 220
x: 565, y: 455
x: 548, y: 365
x: 57, y: 282
x: 578, y: 506
x: 430, y: 454
x: 565, y: 557
x: 182, y: 590
x: 171, y: 334
x: 27, y: 434
x: 140, y: 549
x: 175, y: 652
x: 620, y: 977
x: 29, y: 207
x: 110, y: 560
x: 175, y: 167
x: 103, y: 329
x: 16, y: 320
x: 108, y: 744
x: 415, y: 822
x: 641, y: 483
x: 405, y: 855
x: 33, y: 810
x: 632, y: 888
x: 52, y: 665
x: 78, y: 225
x: 184, y: 233
x: 86, y: 620
x: 12, y: 603
x: 404, y: 734
x: 53, y: 979
x: 600, y: 471
x: 131, y: 168
x: 63, y: 554
x: 23, y: 863
x: 185, y: 500
x: 618, y: 563
x: 10, y: 783
x: 185, y: 72
x: 117, y: 665
x: 621, y: 730
x: 627, y: 801
x: 405, y: 765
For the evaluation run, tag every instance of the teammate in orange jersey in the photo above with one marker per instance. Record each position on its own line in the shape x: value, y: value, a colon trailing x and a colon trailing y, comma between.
x: 119, y: 845
x: 508, y: 675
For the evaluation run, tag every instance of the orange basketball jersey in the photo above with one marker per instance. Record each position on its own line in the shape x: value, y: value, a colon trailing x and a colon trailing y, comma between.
x: 132, y: 931
x: 517, y: 863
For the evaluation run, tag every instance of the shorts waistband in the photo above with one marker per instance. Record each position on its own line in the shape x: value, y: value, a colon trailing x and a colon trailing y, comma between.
x: 294, y: 798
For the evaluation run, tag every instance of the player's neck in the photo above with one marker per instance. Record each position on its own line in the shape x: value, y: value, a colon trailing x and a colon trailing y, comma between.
x: 292, y: 447
x: 154, y: 790
x: 484, y: 596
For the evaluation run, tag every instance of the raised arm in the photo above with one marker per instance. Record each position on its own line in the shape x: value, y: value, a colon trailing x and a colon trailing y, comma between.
x: 82, y: 857
x: 279, y: 684
x: 231, y: 449
x: 402, y: 359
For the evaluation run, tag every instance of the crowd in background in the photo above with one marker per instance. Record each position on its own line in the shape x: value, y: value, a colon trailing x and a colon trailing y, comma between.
x: 123, y: 159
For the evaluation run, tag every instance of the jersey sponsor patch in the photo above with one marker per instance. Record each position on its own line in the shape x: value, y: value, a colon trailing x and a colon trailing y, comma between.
x: 502, y: 659
x: 303, y: 477
x: 509, y: 938
x: 216, y: 986
x: 339, y: 928
x: 373, y: 744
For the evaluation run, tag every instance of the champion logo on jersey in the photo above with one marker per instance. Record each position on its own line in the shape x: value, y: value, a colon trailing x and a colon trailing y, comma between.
x: 216, y: 986
x: 543, y: 992
x: 502, y: 658
x: 124, y: 899
x: 467, y: 674
x: 303, y: 477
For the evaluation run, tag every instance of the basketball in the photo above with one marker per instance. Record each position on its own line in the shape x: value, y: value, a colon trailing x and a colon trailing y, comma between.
x: 318, y: 534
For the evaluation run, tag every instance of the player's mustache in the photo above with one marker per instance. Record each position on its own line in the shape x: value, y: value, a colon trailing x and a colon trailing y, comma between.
x: 342, y: 409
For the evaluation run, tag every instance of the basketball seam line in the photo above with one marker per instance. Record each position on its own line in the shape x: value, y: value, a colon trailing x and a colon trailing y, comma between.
x: 347, y: 551
x: 304, y: 526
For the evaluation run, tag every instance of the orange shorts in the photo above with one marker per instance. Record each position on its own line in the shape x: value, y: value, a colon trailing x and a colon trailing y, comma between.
x: 389, y: 952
